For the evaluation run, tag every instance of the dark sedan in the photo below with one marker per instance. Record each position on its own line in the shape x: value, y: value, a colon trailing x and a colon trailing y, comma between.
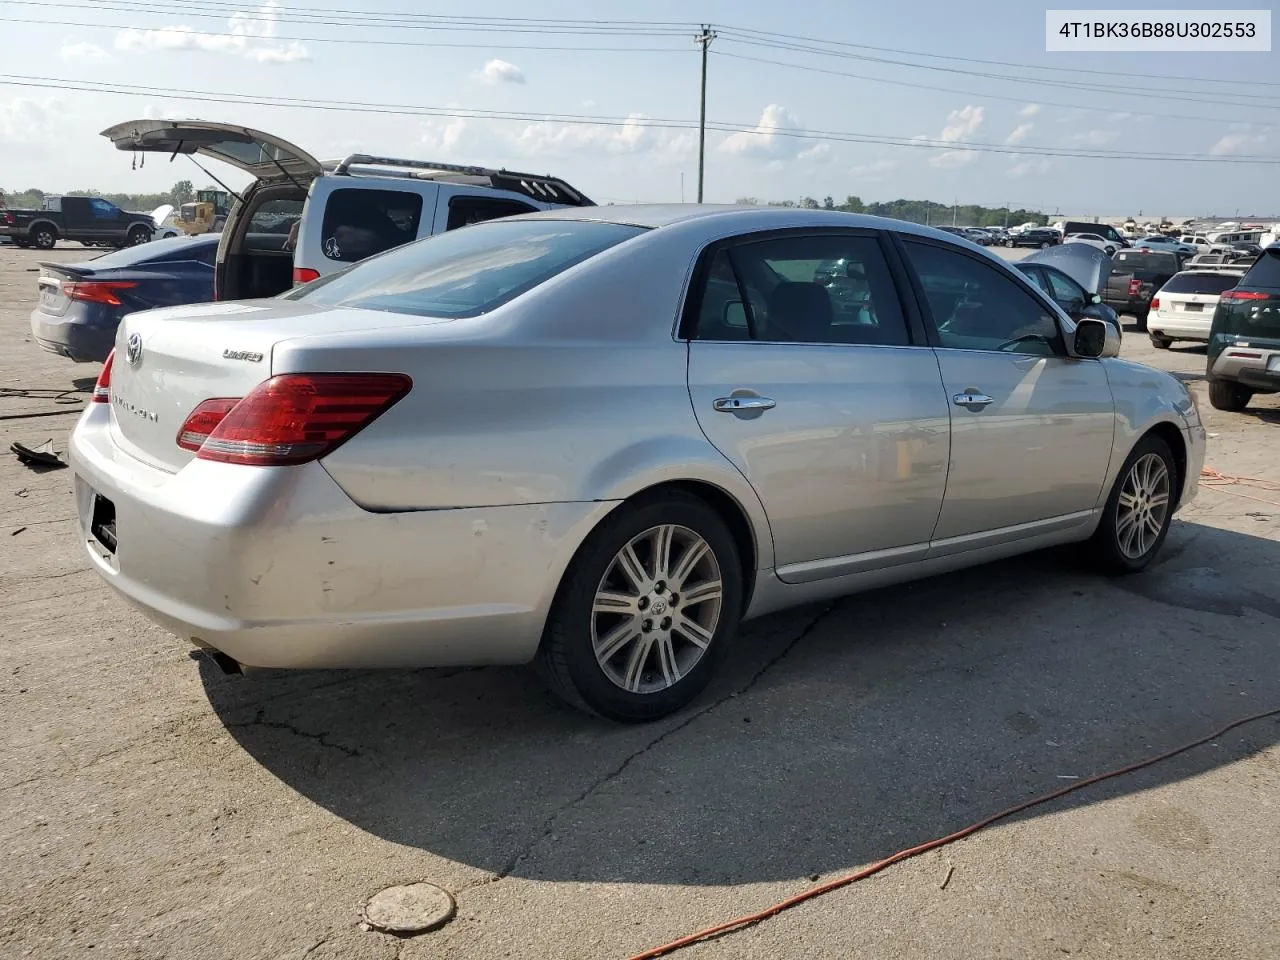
x: 1034, y: 238
x: 81, y: 303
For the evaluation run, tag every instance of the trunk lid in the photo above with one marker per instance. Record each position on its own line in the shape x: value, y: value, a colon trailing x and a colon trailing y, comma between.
x: 52, y: 300
x: 261, y: 155
x: 169, y: 361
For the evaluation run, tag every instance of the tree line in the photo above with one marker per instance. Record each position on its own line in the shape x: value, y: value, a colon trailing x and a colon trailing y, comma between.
x: 32, y: 198
x: 915, y: 211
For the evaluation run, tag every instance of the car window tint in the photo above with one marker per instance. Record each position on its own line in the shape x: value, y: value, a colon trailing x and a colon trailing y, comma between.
x: 976, y: 307
x: 819, y: 289
x: 464, y: 273
x: 720, y: 312
x: 1038, y: 278
x: 275, y: 216
x: 102, y: 209
x: 359, y: 223
x: 1265, y: 272
x: 1209, y: 283
x: 1064, y: 288
x: 467, y: 210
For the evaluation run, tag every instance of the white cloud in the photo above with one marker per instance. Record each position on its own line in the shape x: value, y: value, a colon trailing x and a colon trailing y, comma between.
x: 495, y: 142
x: 765, y: 141
x: 1096, y: 138
x: 82, y: 52
x: 949, y: 159
x: 1023, y: 167
x: 497, y: 72
x: 868, y: 170
x: 962, y: 124
x: 1019, y: 133
x: 1030, y: 110
x: 1237, y: 143
x: 818, y: 152
x: 249, y: 35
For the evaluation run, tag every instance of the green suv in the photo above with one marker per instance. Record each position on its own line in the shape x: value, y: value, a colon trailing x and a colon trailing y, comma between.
x: 1244, y: 341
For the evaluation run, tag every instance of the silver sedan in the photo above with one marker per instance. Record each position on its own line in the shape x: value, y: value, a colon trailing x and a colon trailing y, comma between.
x: 599, y: 439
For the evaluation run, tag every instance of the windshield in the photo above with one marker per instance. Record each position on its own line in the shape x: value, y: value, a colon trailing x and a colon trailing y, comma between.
x: 1210, y: 283
x: 468, y: 271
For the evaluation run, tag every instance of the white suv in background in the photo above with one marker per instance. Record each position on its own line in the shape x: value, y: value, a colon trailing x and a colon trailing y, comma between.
x: 302, y: 219
x: 1094, y: 240
x: 1183, y: 308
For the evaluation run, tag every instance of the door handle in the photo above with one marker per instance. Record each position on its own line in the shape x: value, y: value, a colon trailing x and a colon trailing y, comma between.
x: 974, y: 401
x: 740, y: 404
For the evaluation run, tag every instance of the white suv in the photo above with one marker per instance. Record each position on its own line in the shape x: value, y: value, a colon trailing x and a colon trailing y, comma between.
x: 1183, y: 308
x: 302, y: 219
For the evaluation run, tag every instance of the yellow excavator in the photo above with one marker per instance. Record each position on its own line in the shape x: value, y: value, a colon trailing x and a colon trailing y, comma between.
x: 206, y: 214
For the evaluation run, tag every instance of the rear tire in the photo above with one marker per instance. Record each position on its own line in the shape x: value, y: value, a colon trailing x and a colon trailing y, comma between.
x: 1160, y: 343
x: 1229, y: 395
x: 44, y: 238
x: 1044, y: 244
x: 1139, y: 510
x: 630, y: 646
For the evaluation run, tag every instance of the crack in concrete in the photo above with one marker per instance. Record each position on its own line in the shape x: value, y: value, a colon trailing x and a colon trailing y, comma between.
x: 549, y: 825
x: 321, y: 738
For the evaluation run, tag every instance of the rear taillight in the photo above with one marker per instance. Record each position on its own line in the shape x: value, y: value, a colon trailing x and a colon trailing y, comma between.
x: 305, y: 274
x: 1155, y: 303
x: 292, y: 418
x: 9, y: 218
x: 1245, y: 295
x: 1135, y: 287
x: 102, y: 389
x: 102, y: 291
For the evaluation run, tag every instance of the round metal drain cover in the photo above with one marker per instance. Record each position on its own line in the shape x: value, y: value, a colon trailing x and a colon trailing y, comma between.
x: 412, y: 908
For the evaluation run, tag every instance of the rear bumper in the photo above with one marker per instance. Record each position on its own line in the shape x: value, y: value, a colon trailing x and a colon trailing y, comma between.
x: 85, y: 333
x: 277, y: 567
x: 1248, y: 366
x: 1180, y: 328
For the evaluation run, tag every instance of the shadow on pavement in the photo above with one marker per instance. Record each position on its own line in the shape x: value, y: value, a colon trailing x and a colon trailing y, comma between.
x: 835, y: 737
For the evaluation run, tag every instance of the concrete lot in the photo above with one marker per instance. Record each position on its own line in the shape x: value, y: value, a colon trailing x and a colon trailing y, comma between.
x: 152, y: 808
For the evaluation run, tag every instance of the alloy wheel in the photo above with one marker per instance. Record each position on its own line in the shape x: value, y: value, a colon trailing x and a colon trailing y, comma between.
x: 1143, y: 506
x: 656, y: 609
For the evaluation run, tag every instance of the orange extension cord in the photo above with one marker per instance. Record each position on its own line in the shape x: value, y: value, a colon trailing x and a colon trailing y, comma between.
x: 751, y: 919
x: 1213, y: 480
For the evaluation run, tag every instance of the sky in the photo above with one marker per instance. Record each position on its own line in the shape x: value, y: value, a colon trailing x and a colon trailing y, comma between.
x: 615, y: 113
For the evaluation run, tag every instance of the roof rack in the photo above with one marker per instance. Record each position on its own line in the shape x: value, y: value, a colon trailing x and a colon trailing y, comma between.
x: 546, y: 188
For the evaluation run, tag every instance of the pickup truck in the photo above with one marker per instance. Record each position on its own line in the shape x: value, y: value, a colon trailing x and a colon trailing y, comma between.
x: 91, y: 220
x: 1136, y: 277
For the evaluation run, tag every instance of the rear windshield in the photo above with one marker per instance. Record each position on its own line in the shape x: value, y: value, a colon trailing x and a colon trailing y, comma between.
x: 1265, y: 271
x: 468, y: 271
x: 1211, y: 283
x: 1140, y: 263
x: 168, y: 250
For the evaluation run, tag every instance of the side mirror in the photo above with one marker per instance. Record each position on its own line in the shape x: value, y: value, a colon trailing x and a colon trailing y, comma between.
x: 1096, y: 338
x: 1094, y: 299
x: 735, y: 314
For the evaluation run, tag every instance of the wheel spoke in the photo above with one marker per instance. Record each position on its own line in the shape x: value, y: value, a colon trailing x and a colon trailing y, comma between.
x: 692, y: 554
x: 667, y: 659
x: 695, y: 633
x: 617, y: 638
x: 1159, y: 500
x: 608, y: 601
x: 1134, y: 529
x: 707, y: 590
x: 633, y: 569
x: 635, y: 664
x: 663, y: 538
x: 1127, y: 500
x: 1124, y: 522
x: 1153, y: 524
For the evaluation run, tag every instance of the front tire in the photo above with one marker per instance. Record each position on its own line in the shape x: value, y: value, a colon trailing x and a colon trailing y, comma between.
x: 1044, y: 244
x: 645, y: 610
x: 1229, y: 395
x: 1139, y: 510
x: 138, y: 236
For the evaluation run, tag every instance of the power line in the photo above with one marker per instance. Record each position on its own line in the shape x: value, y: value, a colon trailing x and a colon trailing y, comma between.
x: 969, y: 93
x: 998, y: 63
x: 120, y: 89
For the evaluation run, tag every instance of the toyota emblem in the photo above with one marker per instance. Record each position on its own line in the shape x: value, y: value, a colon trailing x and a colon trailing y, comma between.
x: 133, y: 350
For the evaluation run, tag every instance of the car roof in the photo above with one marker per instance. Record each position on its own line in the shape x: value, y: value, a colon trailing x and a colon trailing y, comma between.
x: 656, y: 216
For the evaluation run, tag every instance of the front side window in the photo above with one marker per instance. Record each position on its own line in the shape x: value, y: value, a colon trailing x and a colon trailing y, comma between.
x: 359, y: 223
x: 806, y: 289
x: 976, y: 307
x: 103, y: 210
x: 464, y: 273
x: 1064, y: 289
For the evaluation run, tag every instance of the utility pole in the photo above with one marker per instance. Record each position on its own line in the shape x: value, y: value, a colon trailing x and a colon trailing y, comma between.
x: 704, y: 41
x: 955, y: 205
x: 682, y: 186
x: 1006, y: 214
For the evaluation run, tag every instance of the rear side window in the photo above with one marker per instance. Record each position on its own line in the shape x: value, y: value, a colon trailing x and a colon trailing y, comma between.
x: 464, y: 273
x: 467, y: 210
x: 1265, y: 271
x: 1209, y: 283
x: 359, y: 223
x: 804, y: 289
